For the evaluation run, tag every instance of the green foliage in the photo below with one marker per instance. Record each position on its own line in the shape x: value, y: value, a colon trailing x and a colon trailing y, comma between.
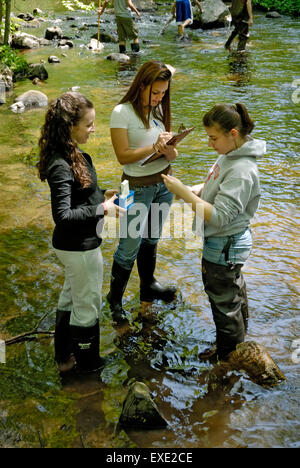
x: 12, y: 60
x: 288, y: 7
x: 77, y: 5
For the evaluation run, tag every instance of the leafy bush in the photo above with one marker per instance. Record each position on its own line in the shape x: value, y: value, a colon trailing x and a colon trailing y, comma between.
x: 288, y: 7
x: 12, y: 60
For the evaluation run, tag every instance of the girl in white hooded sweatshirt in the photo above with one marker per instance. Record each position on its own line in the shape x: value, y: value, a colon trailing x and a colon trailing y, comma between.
x: 226, y: 201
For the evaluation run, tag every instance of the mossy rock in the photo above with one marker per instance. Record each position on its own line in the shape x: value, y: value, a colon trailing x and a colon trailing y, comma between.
x: 139, y: 410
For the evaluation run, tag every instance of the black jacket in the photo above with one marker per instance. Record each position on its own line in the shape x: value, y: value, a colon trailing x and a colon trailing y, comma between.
x: 75, y: 210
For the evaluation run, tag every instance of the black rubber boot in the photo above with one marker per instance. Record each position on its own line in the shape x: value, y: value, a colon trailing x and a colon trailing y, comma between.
x: 118, y: 283
x: 122, y: 49
x: 135, y: 47
x: 62, y: 337
x: 150, y: 288
x: 86, y: 342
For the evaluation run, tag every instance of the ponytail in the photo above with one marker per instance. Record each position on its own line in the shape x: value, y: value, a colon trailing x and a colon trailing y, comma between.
x: 247, y: 122
x: 229, y: 116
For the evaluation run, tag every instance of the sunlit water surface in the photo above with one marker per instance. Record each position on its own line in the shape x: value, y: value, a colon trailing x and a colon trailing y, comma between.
x: 36, y: 408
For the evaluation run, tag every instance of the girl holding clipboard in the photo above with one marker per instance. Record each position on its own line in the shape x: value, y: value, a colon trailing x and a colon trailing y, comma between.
x: 140, y: 126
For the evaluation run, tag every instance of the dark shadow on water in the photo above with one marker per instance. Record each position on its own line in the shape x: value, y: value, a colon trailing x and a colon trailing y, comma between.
x: 239, y: 68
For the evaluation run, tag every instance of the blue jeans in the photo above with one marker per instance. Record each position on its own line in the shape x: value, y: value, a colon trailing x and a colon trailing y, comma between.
x: 143, y: 222
x: 239, y: 250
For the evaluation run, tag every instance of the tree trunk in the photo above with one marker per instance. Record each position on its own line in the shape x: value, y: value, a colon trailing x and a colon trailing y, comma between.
x: 1, y: 16
x: 7, y: 21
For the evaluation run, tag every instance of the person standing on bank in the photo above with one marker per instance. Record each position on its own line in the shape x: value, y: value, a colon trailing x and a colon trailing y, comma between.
x: 126, y: 27
x: 242, y: 19
x: 227, y: 201
x: 140, y: 126
x: 78, y: 205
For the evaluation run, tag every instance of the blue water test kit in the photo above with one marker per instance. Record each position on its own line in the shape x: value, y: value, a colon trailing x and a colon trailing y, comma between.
x: 126, y: 197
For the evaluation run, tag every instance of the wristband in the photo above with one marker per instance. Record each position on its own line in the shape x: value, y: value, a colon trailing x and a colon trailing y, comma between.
x: 105, y: 208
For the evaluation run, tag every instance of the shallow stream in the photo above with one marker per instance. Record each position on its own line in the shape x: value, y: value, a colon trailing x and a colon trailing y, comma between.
x: 36, y: 407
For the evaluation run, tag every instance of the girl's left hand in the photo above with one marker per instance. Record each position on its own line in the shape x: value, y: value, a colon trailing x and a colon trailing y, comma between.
x: 174, y: 185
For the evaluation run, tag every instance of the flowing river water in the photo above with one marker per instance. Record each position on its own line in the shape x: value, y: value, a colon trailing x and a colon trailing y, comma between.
x: 37, y: 408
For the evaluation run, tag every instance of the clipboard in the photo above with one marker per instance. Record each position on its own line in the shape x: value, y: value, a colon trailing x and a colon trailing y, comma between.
x: 173, y: 141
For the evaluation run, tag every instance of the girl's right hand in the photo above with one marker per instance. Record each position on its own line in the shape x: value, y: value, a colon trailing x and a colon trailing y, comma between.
x: 161, y: 143
x: 113, y: 210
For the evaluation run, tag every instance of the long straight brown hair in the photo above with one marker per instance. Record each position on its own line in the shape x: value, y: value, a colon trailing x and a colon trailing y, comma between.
x: 56, y: 138
x: 149, y: 73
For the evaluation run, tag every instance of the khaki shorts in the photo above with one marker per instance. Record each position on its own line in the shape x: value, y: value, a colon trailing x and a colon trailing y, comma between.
x: 126, y: 29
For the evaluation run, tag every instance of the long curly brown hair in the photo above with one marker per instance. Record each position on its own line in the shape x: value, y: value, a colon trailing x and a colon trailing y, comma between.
x: 62, y: 114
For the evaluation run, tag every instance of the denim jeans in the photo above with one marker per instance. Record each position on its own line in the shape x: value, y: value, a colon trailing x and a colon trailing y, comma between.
x: 143, y: 222
x: 239, y: 250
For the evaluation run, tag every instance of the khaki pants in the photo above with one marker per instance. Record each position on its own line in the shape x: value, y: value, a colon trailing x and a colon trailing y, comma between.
x: 82, y: 289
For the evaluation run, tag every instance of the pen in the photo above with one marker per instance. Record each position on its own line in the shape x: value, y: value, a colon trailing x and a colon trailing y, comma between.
x: 157, y: 124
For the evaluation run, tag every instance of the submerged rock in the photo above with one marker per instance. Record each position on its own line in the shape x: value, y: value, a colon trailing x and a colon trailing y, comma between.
x: 139, y: 410
x: 255, y: 361
x: 118, y: 57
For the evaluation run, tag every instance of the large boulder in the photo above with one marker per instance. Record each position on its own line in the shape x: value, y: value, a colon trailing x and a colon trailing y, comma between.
x: 24, y: 41
x: 21, y: 40
x: 37, y: 70
x: 145, y: 5
x: 139, y: 410
x: 213, y: 15
x: 30, y: 99
x: 53, y: 33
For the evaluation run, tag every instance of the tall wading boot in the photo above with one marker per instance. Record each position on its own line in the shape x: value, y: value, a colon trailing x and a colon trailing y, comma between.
x: 226, y: 292
x: 150, y: 288
x: 118, y: 283
x: 86, y: 342
x: 227, y: 44
x: 63, y: 342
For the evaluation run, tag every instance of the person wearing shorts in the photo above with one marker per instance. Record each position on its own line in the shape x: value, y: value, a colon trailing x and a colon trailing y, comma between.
x: 126, y: 28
